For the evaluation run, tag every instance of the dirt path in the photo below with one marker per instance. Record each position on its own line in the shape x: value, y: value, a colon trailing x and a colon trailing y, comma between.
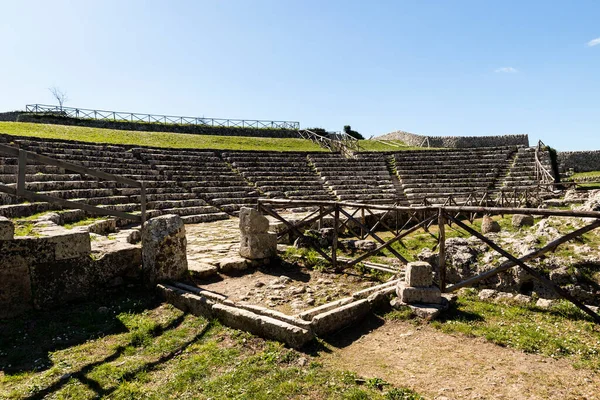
x: 441, y: 366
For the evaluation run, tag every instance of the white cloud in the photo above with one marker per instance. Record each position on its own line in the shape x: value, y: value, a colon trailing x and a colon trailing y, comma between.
x: 593, y: 42
x: 508, y: 70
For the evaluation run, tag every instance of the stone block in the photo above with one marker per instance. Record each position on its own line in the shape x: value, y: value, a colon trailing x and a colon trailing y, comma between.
x: 418, y: 274
x: 411, y: 295
x: 7, y: 229
x: 251, y: 221
x: 103, y: 226
x: 264, y: 326
x: 15, y: 286
x: 232, y: 265
x: 70, y: 245
x: 488, y: 225
x: 338, y: 318
x: 202, y: 270
x: 164, y: 255
x: 258, y: 245
x: 520, y: 220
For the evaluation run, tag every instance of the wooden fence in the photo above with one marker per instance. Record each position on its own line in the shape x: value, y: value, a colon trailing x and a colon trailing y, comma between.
x: 26, y: 156
x: 103, y: 115
x: 422, y: 217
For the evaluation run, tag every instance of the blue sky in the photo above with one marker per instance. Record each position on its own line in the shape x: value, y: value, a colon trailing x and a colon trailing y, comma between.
x: 430, y: 67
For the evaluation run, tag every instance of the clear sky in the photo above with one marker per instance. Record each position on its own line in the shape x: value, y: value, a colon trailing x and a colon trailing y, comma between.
x: 430, y: 67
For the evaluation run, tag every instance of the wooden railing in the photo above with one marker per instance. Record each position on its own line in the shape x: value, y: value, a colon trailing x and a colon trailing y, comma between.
x: 25, y: 156
x: 336, y: 142
x: 104, y: 115
x: 422, y: 217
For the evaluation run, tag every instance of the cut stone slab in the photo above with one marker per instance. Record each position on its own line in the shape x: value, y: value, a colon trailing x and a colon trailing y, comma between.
x: 418, y: 274
x: 411, y: 295
x: 261, y: 325
x: 7, y: 229
x: 103, y: 226
x: 258, y: 245
x: 164, y: 255
x: 232, y: 265
x: 202, y: 271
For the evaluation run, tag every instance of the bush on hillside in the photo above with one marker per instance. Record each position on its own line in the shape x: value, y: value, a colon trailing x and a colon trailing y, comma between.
x: 348, y: 130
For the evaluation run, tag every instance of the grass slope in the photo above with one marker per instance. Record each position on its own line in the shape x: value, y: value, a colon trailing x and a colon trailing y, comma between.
x: 155, y: 139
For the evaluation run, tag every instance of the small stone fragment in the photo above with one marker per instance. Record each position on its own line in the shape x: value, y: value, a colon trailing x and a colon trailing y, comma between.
x: 489, y: 225
x: 521, y: 220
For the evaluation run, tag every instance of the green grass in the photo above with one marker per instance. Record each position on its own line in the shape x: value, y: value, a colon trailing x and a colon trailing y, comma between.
x: 130, y: 346
x: 562, y: 331
x: 585, y: 176
x: 84, y: 222
x: 156, y: 139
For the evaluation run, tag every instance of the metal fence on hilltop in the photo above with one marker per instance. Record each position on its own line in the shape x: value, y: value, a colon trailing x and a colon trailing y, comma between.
x: 119, y: 116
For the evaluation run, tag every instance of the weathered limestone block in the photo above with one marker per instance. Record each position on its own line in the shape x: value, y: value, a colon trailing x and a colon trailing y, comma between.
x: 15, y: 286
x: 103, y: 227
x: 7, y: 229
x: 258, y: 245
x: 418, y: 274
x: 365, y: 245
x: 232, y: 265
x: 202, y: 270
x: 251, y: 221
x: 410, y: 295
x: 520, y: 220
x: 488, y: 225
x: 336, y: 319
x: 262, y: 325
x: 164, y: 254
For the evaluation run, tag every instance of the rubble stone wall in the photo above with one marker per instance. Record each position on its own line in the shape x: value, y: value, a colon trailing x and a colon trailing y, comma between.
x: 579, y: 161
x: 412, y: 139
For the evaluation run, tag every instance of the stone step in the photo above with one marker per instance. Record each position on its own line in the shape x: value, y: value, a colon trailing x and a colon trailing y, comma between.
x: 12, y: 178
x: 196, y: 219
x: 166, y: 204
x: 182, y: 211
x: 80, y: 193
x: 31, y: 169
x: 68, y: 145
x: 238, y: 200
x: 166, y: 197
x: 25, y: 209
x: 228, y: 195
x: 265, y: 164
x: 79, y: 152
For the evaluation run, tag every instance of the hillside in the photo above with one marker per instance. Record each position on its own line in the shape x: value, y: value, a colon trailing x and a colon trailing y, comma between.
x: 155, y: 139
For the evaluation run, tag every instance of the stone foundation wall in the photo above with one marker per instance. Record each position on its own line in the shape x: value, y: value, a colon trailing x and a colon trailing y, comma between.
x: 43, y: 272
x: 579, y: 161
x: 155, y: 127
x: 412, y: 139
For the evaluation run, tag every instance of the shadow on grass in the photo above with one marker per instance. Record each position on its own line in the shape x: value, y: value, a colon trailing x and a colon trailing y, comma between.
x: 27, y: 341
x: 81, y: 374
x: 454, y: 313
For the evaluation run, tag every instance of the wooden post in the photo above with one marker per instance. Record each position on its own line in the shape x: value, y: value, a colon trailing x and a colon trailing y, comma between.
x: 22, y: 172
x: 334, y: 245
x: 321, y: 217
x: 442, y: 249
x: 362, y: 219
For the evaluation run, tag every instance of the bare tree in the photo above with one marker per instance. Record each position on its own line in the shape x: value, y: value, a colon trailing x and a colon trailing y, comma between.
x: 59, y: 95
